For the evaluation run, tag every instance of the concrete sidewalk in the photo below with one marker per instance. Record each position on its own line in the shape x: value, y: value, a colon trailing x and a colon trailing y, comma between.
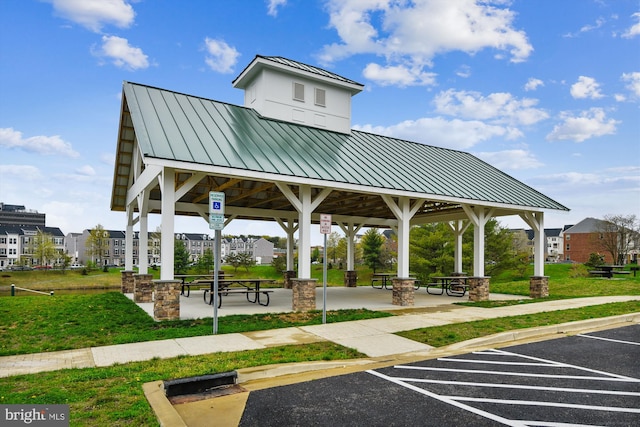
x: 372, y: 337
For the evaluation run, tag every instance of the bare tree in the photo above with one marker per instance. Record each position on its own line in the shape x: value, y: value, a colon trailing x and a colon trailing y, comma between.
x: 619, y: 234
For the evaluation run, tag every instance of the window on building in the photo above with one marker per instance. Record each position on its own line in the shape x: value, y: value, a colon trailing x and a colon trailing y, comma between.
x: 568, y: 247
x: 298, y: 92
x: 3, y: 240
x: 568, y: 236
x: 321, y: 97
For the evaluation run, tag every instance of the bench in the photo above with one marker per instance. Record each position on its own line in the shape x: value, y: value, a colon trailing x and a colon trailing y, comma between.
x: 440, y: 285
x: 247, y: 292
x: 600, y: 273
x: 621, y: 272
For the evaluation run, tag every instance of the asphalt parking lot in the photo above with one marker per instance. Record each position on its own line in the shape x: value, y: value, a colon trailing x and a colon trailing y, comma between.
x: 590, y: 379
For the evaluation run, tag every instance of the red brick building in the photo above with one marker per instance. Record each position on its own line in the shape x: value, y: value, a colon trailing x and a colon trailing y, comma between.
x: 583, y: 239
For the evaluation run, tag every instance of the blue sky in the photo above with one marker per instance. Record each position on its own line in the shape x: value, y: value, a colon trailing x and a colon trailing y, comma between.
x: 548, y: 91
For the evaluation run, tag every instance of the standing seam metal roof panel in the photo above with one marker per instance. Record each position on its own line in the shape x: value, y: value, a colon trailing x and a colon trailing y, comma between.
x: 238, y: 137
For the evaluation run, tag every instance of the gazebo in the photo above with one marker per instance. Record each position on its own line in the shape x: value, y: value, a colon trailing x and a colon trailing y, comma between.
x: 289, y: 155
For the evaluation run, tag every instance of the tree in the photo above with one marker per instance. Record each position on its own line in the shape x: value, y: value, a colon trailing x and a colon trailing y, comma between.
x: 206, y: 262
x: 497, y: 250
x: 372, y: 248
x: 619, y: 234
x: 431, y: 250
x: 241, y: 259
x: 280, y: 263
x: 97, y: 243
x: 180, y: 257
x: 332, y: 245
x: 42, y: 248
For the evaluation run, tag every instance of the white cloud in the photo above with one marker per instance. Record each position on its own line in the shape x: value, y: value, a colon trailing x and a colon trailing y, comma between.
x: 398, y: 75
x: 46, y: 145
x: 533, y: 84
x: 411, y: 34
x: 591, y: 123
x: 456, y: 134
x: 86, y: 170
x: 634, y: 82
x: 273, y: 5
x: 587, y: 28
x: 122, y: 54
x: 220, y: 56
x: 586, y: 87
x: 20, y: 173
x: 634, y: 30
x: 94, y: 14
x: 464, y: 71
x: 498, y: 107
x: 510, y: 159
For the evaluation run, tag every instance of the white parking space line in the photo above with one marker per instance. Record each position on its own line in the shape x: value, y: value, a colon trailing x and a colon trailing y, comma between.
x: 524, y: 387
x: 581, y: 368
x: 520, y: 374
x: 494, y: 417
x: 465, y: 402
x: 609, y: 339
x: 551, y: 424
x: 496, y: 362
x: 541, y: 403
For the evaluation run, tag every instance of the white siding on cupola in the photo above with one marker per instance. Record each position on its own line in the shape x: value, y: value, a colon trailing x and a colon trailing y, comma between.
x: 288, y: 93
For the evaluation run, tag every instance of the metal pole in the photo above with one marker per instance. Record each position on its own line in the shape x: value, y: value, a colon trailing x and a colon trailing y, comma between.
x: 13, y: 288
x: 324, y: 282
x: 216, y: 267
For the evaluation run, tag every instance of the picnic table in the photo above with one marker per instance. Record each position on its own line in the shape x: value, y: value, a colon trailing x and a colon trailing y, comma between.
x: 383, y: 281
x: 455, y: 286
x: 185, y: 287
x: 608, y: 271
x: 248, y: 287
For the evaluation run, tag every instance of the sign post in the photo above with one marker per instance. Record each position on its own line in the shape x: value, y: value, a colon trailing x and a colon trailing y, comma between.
x: 325, y: 228
x: 216, y: 222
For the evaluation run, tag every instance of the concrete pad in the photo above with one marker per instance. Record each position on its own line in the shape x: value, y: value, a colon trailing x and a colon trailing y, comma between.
x: 217, y: 343
x: 335, y: 331
x: 383, y: 345
x: 136, y: 352
x: 284, y: 336
x: 402, y: 323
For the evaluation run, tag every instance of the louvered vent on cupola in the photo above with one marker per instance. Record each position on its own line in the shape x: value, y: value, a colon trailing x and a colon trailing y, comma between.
x: 294, y: 92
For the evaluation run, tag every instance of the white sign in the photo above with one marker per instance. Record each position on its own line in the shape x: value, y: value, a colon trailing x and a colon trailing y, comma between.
x: 216, y: 210
x: 325, y: 224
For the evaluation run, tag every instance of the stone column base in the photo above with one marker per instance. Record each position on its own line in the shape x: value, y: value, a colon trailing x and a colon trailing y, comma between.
x: 127, y: 282
x: 351, y: 278
x: 142, y: 288
x: 539, y: 286
x: 288, y: 275
x: 403, y: 291
x: 166, y: 305
x: 478, y: 288
x: 304, y: 294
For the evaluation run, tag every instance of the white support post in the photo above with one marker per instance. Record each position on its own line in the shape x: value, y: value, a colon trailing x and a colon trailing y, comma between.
x: 167, y: 241
x: 290, y: 227
x: 403, y: 212
x: 143, y: 244
x: 479, y: 216
x: 459, y: 227
x: 536, y: 221
x: 305, y: 206
x: 128, y: 240
x: 350, y: 230
x: 304, y: 233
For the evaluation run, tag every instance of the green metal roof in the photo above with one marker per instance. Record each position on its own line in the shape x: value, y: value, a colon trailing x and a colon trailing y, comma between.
x: 175, y: 126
